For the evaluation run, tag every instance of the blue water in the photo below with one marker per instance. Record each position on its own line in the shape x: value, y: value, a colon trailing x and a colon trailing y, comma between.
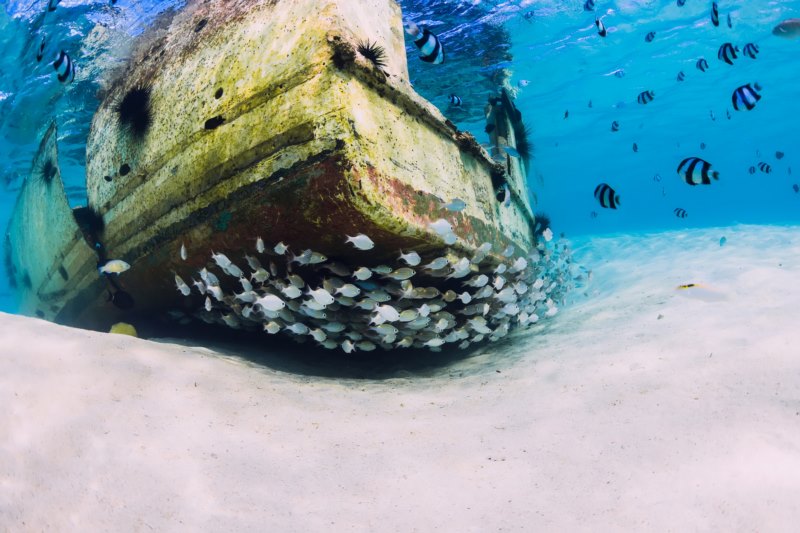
x: 554, y: 47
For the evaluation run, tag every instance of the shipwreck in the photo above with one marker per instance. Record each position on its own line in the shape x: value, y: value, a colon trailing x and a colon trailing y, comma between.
x: 281, y: 121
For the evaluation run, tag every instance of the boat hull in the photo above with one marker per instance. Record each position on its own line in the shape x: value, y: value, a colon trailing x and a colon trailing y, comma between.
x: 267, y: 122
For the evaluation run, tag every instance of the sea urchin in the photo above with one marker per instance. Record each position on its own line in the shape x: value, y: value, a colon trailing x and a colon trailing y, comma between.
x: 372, y: 52
x: 135, y: 113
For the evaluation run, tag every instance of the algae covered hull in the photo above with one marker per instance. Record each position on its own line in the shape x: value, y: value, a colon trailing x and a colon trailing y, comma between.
x: 266, y: 119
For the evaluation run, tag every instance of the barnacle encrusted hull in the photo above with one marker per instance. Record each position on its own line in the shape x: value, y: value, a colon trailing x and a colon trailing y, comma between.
x: 243, y: 119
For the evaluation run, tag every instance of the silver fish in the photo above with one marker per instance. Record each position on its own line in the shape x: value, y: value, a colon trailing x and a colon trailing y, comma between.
x: 182, y: 287
x: 456, y: 204
x: 401, y: 274
x: 411, y: 258
x: 362, y: 274
x: 360, y: 241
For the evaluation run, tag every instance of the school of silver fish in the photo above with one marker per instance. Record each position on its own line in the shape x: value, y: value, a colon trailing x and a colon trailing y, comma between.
x: 479, y: 298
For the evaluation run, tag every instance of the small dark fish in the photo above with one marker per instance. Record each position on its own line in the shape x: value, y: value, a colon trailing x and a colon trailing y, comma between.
x: 702, y: 146
x: 606, y: 195
x: 40, y: 53
x: 746, y: 96
x: 680, y: 212
x: 64, y: 67
x: 489, y: 128
x: 455, y: 101
x: 727, y: 53
x: 681, y: 3
x: 750, y: 50
x: 764, y: 167
x: 702, y: 64
x: 645, y: 97
x: 588, y: 5
x: 615, y: 126
x: 635, y: 147
x: 714, y: 14
x: 566, y: 114
x: 601, y: 29
x: 696, y: 171
x: 728, y: 113
x: 657, y: 178
x: 752, y: 170
x: 796, y: 188
x: 730, y: 24
x: 590, y: 103
x: 593, y: 214
x: 649, y: 37
x: 779, y: 155
x: 528, y: 15
x: 681, y: 76
x: 711, y: 114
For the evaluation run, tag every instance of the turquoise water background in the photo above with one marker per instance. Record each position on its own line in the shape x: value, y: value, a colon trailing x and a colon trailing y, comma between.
x: 555, y: 48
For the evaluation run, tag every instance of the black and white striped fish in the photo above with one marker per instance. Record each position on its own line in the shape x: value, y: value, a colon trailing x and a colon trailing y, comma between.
x: 752, y: 170
x: 40, y: 52
x: 696, y: 171
x: 680, y: 212
x: 681, y: 76
x: 764, y: 167
x: 649, y: 37
x: 746, y: 96
x: 607, y: 196
x: 750, y: 50
x: 428, y: 44
x: 588, y: 5
x: 615, y: 126
x: 727, y: 53
x: 714, y: 14
x: 796, y: 188
x: 779, y: 154
x: 64, y: 67
x: 730, y: 24
x: 645, y: 97
x: 601, y: 29
x: 702, y: 64
x: 455, y: 101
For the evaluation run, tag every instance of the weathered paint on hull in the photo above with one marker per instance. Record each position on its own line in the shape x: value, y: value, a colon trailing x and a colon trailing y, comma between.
x: 312, y: 143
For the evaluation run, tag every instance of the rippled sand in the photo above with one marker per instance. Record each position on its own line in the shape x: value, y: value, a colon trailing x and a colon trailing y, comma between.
x: 639, y: 407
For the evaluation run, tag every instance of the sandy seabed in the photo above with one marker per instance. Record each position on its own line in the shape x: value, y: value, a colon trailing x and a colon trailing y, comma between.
x: 639, y: 407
